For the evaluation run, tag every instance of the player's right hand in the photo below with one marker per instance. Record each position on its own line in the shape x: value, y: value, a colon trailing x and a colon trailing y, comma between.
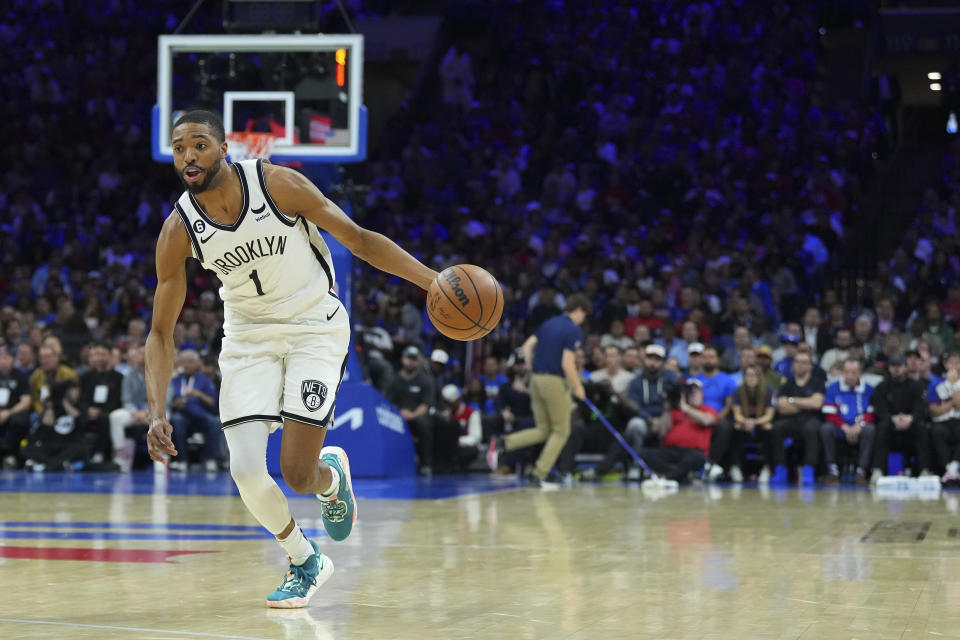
x: 159, y: 439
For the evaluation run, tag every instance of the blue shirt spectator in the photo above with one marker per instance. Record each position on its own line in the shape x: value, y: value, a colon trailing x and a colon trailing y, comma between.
x: 491, y: 379
x: 718, y: 387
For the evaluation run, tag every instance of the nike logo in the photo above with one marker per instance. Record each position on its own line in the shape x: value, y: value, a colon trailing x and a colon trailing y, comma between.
x: 204, y: 240
x: 260, y: 210
x: 334, y: 312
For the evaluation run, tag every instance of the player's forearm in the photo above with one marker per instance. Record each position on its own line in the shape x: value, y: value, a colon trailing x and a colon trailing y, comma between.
x: 570, y: 371
x: 386, y: 255
x: 159, y: 369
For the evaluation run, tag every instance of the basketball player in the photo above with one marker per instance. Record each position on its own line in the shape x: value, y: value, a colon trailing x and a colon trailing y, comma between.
x: 286, y: 334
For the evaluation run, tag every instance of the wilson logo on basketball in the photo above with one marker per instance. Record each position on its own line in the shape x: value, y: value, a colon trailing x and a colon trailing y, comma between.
x: 454, y: 281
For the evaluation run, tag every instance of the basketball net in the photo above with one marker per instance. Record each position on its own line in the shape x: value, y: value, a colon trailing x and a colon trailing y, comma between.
x: 243, y: 145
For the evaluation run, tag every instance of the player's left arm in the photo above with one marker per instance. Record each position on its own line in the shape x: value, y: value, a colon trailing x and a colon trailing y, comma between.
x: 296, y: 195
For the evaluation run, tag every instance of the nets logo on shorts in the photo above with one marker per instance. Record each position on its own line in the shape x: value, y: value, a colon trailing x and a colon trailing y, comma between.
x: 313, y: 393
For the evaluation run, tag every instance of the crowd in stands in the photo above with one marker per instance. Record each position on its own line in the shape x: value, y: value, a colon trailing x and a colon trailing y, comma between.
x: 676, y: 162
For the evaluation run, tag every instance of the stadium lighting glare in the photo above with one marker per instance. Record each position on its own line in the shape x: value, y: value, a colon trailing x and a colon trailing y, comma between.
x: 933, y: 75
x: 935, y: 86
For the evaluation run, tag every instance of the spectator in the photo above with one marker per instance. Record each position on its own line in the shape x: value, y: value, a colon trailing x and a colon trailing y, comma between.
x: 681, y: 349
x: 377, y: 345
x: 14, y: 410
x: 863, y: 335
x: 192, y: 405
x: 886, y: 316
x: 936, y: 325
x: 731, y: 356
x: 612, y: 373
x: 718, y: 388
x: 919, y: 368
x: 439, y: 359
x: 411, y: 391
x: 694, y: 359
x: 765, y: 361
x: 491, y: 379
x: 747, y: 358
x: 943, y: 399
x: 458, y: 432
x: 646, y: 397
x: 630, y: 362
x: 58, y: 442
x: 26, y: 360
x: 101, y: 390
x: 784, y: 366
x: 849, y: 415
x: 616, y: 337
x: 899, y: 407
x: 686, y: 444
x: 49, y: 372
x: 813, y: 332
x: 456, y: 70
x: 840, y: 352
x: 643, y: 318
x: 132, y: 418
x: 799, y: 405
x: 753, y: 414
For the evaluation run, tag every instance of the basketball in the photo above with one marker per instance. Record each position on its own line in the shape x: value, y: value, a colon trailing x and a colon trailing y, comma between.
x: 465, y: 302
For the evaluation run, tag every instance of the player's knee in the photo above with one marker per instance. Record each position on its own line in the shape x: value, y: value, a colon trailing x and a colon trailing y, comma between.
x: 246, y: 478
x: 300, y: 478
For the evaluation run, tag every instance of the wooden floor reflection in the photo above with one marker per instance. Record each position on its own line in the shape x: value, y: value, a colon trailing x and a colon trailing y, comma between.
x: 585, y: 562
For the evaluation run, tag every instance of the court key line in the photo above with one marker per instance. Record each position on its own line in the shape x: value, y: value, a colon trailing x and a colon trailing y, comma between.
x: 201, y: 634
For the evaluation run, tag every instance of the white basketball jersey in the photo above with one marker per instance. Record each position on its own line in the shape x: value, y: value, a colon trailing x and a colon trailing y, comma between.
x: 273, y: 267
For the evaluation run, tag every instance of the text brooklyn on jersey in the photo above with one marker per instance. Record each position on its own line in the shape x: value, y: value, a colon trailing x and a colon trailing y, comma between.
x: 249, y: 251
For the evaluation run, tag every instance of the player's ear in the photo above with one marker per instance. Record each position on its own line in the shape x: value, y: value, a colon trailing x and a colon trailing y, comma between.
x: 223, y: 150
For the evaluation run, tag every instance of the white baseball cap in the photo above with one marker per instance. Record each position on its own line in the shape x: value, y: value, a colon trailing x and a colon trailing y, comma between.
x: 450, y: 393
x: 439, y: 356
x: 655, y: 350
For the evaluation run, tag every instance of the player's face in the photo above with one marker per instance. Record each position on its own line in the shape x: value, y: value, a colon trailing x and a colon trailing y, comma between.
x: 197, y: 156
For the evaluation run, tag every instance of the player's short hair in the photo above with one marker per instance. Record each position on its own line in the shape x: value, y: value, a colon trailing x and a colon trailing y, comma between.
x: 579, y: 301
x: 202, y: 116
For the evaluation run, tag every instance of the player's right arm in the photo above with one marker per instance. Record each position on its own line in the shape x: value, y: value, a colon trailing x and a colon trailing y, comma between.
x: 173, y: 248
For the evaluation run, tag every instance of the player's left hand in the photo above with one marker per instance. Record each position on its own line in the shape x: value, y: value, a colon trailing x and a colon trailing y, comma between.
x: 159, y: 439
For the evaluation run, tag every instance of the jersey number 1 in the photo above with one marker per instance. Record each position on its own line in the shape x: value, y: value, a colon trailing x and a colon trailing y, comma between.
x: 256, y: 282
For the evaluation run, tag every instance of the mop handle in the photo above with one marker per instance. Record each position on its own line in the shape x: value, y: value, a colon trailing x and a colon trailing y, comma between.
x: 616, y: 434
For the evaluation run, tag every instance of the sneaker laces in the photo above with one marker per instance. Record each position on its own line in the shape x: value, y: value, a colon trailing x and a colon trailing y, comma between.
x: 334, y: 510
x: 296, y: 579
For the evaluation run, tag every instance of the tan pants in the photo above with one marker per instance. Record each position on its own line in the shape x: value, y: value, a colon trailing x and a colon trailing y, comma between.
x: 550, y: 398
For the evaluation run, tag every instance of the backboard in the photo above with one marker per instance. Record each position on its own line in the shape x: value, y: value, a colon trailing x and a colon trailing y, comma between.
x: 305, y: 89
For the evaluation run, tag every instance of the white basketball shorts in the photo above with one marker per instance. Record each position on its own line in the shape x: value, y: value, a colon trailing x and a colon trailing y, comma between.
x: 290, y: 370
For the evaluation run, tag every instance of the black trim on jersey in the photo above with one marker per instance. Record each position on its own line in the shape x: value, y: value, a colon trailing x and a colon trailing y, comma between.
x: 243, y: 210
x: 343, y: 368
x: 186, y: 223
x: 284, y: 218
x: 311, y: 421
x: 251, y: 418
x: 319, y: 256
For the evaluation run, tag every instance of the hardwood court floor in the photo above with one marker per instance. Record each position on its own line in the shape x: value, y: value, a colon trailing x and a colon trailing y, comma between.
x: 495, y: 562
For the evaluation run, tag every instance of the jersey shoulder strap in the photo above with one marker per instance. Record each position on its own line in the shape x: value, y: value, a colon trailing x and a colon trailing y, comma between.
x: 260, y: 198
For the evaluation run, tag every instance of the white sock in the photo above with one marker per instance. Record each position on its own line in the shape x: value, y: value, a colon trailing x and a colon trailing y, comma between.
x: 331, y: 491
x: 297, y: 546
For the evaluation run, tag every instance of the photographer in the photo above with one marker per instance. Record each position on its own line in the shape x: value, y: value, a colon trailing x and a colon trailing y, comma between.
x: 687, y: 443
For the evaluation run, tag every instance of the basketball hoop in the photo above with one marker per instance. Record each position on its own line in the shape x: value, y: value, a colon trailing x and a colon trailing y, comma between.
x: 243, y: 145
